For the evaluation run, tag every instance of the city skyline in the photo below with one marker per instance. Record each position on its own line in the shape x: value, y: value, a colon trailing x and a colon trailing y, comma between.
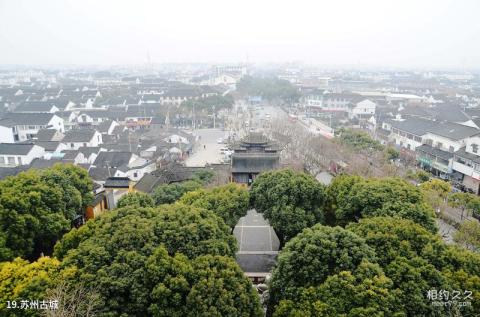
x: 371, y: 34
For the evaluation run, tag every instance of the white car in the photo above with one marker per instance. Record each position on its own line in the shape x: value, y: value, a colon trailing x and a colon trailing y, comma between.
x: 220, y: 140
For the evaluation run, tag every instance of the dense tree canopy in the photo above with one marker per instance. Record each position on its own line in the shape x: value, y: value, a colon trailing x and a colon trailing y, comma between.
x: 396, y: 237
x: 208, y: 103
x: 136, y: 199
x: 229, y: 202
x: 406, y: 262
x: 167, y: 194
x: 354, y: 198
x: 37, y: 207
x: 268, y: 88
x: 175, y: 260
x: 180, y: 228
x: 309, y: 258
x: 468, y: 235
x: 465, y: 201
x: 364, y: 292
x: 290, y: 201
x: 416, y: 260
x: 21, y: 280
x: 359, y: 140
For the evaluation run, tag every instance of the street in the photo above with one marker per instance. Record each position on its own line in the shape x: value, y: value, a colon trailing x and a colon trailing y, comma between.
x: 207, y: 150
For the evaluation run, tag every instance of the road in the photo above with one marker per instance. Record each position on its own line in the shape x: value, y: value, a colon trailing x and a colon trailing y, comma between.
x: 207, y: 150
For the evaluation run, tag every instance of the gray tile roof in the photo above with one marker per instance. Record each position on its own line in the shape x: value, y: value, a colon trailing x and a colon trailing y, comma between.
x: 117, y: 182
x: 29, y: 118
x: 11, y: 171
x: 79, y: 135
x: 417, y: 126
x: 35, y: 106
x: 46, y: 134
x: 15, y: 148
x: 112, y: 159
x: 48, y: 145
x: 469, y: 156
x: 40, y: 163
x: 101, y: 173
x: 434, y: 151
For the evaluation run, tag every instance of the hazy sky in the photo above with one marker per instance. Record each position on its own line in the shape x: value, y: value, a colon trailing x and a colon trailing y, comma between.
x: 406, y: 33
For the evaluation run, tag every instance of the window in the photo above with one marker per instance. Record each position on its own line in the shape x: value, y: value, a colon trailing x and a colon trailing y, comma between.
x: 451, y: 149
x: 439, y: 145
x: 135, y: 174
x: 31, y: 127
x: 475, y: 148
x: 11, y: 160
x: 2, y: 160
x: 85, y: 144
x: 19, y: 159
x: 72, y: 145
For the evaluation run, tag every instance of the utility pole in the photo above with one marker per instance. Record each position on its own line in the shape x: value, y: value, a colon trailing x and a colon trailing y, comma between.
x: 193, y: 116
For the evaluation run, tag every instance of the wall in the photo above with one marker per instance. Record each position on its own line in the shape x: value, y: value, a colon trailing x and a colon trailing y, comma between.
x: 6, y: 135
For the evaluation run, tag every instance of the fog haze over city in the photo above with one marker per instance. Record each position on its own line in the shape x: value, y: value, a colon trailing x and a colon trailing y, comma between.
x: 421, y: 34
x: 239, y: 158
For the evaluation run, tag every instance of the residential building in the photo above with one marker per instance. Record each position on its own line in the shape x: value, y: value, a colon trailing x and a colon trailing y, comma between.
x: 25, y: 126
x: 78, y: 138
x: 16, y: 154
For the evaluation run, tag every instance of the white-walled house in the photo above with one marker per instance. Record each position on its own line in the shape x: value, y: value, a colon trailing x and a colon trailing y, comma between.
x: 77, y: 138
x: 25, y: 126
x: 6, y: 132
x: 466, y: 162
x: 413, y: 132
x: 125, y: 164
x: 363, y: 109
x: 16, y: 154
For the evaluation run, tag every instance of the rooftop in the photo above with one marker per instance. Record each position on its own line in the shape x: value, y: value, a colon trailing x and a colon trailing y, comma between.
x: 15, y: 148
x: 79, y: 135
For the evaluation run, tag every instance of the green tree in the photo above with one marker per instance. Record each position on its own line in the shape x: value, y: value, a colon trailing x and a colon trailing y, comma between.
x: 268, y: 87
x: 290, y: 201
x: 168, y: 194
x: 468, y: 235
x: 314, y: 254
x: 136, y: 199
x: 442, y: 188
x: 37, y: 207
x: 414, y: 278
x: 393, y: 237
x: 205, y: 286
x: 419, y: 176
x: 203, y: 176
x: 229, y: 202
x: 33, y: 215
x: 174, y: 260
x: 466, y: 202
x: 181, y: 228
x: 75, y: 182
x: 363, y: 292
x: 358, y: 140
x: 379, y: 197
x: 391, y: 153
x: 21, y: 280
x: 219, y: 102
x: 338, y: 194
